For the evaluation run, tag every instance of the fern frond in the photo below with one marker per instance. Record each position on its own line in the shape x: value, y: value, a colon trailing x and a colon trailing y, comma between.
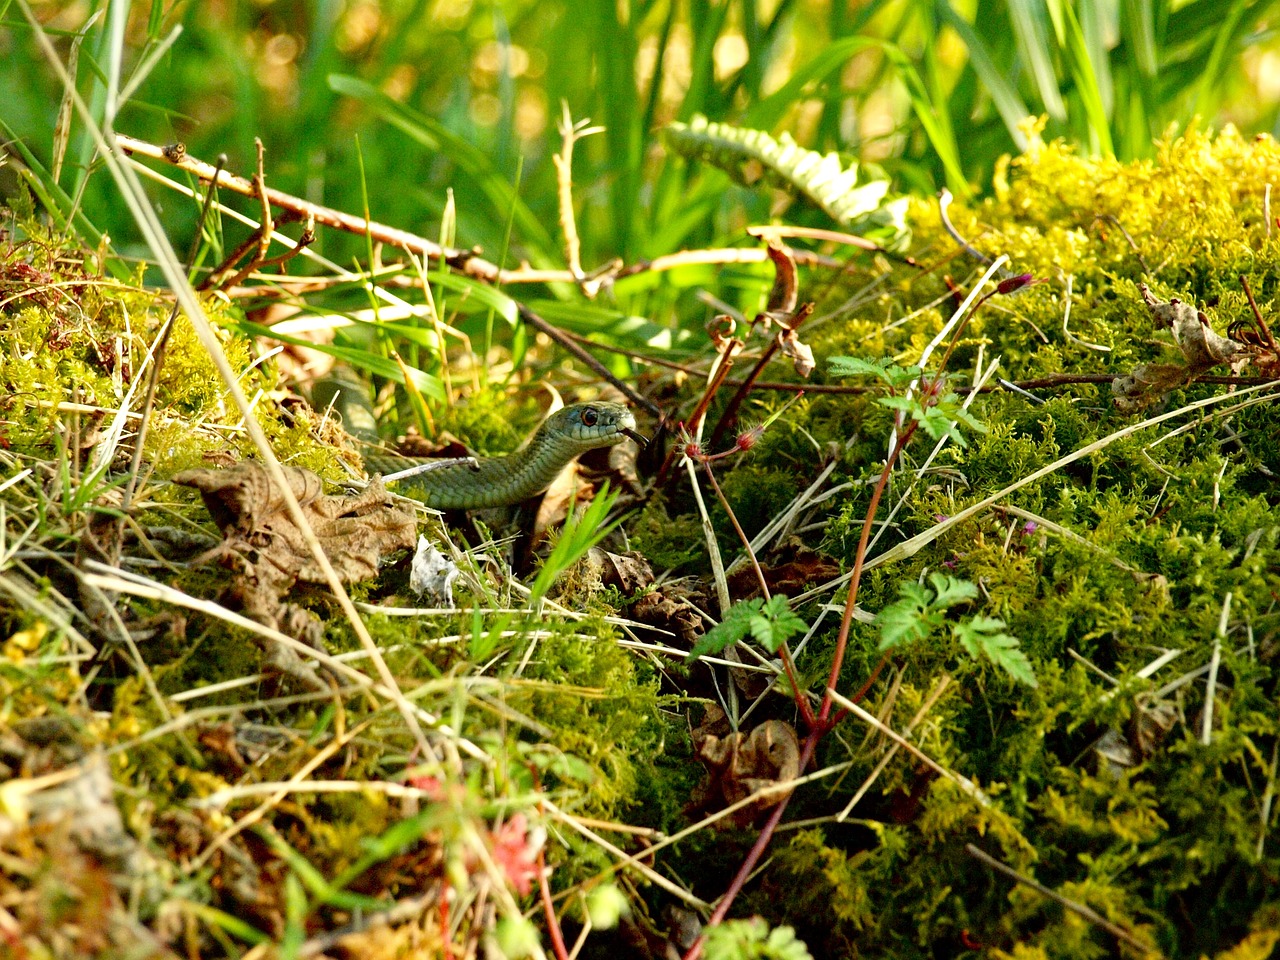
x: 752, y: 156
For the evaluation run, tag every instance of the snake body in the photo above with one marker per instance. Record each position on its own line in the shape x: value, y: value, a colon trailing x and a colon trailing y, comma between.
x: 503, y: 481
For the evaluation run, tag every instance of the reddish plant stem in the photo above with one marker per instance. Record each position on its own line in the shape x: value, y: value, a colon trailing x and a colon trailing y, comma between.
x: 1262, y: 324
x: 901, y: 439
x: 544, y: 888
x: 445, y: 940
x: 801, y: 701
x: 822, y: 725
x: 733, y: 518
x: 700, y: 411
x: 756, y: 852
x: 729, y: 418
x: 553, y: 923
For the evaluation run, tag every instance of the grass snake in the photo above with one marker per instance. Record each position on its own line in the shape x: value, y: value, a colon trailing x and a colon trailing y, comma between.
x: 490, y: 481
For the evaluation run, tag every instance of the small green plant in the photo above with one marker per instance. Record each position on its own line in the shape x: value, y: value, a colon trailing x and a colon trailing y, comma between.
x: 921, y: 611
x: 753, y: 940
x: 771, y: 622
x: 576, y: 537
x: 937, y: 410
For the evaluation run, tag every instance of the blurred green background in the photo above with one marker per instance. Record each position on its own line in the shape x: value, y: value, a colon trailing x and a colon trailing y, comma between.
x: 404, y: 100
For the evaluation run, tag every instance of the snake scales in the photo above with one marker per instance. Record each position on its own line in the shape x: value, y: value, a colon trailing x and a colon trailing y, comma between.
x: 492, y: 481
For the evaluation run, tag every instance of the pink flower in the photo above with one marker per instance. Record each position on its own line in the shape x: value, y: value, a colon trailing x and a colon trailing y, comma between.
x: 515, y: 850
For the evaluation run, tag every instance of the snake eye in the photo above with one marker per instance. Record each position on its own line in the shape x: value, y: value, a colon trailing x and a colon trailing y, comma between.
x: 590, y: 417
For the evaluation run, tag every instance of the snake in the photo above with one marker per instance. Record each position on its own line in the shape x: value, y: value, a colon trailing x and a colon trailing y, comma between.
x: 495, y: 481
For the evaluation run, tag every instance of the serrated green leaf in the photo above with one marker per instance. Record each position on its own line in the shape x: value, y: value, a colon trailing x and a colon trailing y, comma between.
x: 948, y: 590
x: 753, y: 940
x: 985, y: 636
x: 735, y: 625
x: 883, y: 369
x: 908, y: 404
x: 908, y: 619
x: 775, y: 624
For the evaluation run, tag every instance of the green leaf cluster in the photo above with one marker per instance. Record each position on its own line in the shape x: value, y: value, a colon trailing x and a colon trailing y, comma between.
x: 771, y: 622
x: 921, y: 611
x: 753, y: 940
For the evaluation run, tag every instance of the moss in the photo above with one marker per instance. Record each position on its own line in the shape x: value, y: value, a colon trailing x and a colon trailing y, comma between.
x: 599, y: 709
x: 1155, y: 530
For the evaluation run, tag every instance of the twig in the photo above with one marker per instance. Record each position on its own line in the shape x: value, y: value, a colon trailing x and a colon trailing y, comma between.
x: 730, y: 416
x: 1211, y: 685
x: 570, y: 133
x: 729, y: 346
x: 1073, y: 905
x: 1257, y: 315
x: 535, y: 321
x: 1112, y: 219
x: 467, y: 262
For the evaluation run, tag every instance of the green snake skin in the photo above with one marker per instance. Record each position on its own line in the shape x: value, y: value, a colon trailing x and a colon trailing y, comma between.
x: 503, y: 481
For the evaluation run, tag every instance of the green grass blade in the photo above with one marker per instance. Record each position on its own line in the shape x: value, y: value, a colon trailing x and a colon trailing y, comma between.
x: 1008, y: 102
x: 931, y: 119
x: 1095, y: 25
x: 1224, y: 38
x: 1138, y: 22
x: 357, y: 358
x: 1086, y: 83
x: 1027, y: 17
x: 766, y: 113
x: 434, y: 135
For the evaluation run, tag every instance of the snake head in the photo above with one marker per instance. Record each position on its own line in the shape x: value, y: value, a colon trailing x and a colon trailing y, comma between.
x: 599, y: 423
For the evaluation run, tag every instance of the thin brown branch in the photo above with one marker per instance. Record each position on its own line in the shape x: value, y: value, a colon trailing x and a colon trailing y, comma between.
x: 729, y: 345
x: 1257, y: 315
x: 756, y: 852
x: 900, y: 440
x: 467, y: 262
x: 463, y: 260
x: 729, y: 419
x: 558, y: 335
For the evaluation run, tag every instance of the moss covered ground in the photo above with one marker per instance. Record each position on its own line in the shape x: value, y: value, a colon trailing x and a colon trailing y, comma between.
x: 141, y: 736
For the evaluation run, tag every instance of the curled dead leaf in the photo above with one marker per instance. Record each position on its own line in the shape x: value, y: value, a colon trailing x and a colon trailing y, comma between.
x: 742, y: 764
x: 269, y: 553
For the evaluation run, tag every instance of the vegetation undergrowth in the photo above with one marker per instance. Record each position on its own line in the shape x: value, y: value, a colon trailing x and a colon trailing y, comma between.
x: 962, y: 628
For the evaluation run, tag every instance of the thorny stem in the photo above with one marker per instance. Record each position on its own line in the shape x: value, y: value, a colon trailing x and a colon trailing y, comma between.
x: 788, y: 664
x: 846, y: 622
x: 756, y: 851
x: 553, y: 923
